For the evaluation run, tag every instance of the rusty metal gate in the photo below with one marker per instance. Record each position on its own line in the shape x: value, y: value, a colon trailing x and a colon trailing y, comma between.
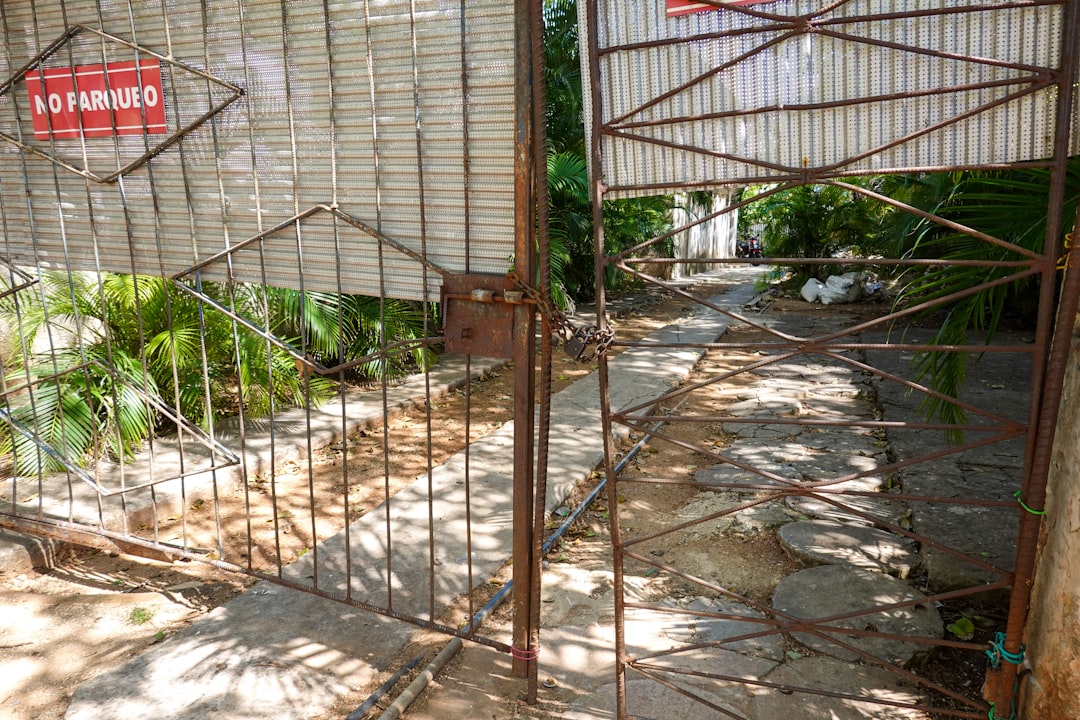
x: 809, y: 433
x: 247, y: 248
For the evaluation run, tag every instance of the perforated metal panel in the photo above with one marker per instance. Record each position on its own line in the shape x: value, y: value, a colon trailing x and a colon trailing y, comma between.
x: 744, y: 95
x: 796, y: 95
x: 272, y: 111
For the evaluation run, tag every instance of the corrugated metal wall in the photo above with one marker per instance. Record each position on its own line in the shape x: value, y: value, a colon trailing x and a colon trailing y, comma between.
x: 745, y: 95
x: 361, y: 110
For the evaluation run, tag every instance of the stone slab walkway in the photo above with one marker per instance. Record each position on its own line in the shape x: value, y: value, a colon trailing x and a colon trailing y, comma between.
x: 851, y: 566
x: 281, y: 653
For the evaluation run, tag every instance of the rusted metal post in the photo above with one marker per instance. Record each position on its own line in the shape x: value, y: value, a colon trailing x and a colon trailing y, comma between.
x: 596, y: 192
x: 524, y: 340
x: 543, y: 262
x: 999, y: 688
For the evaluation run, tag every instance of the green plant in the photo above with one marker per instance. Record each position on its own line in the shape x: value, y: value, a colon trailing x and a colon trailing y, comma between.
x: 140, y: 616
x: 562, y: 74
x: 1010, y: 206
x: 333, y: 328
x: 963, y: 628
x: 569, y: 225
x: 627, y: 222
x: 813, y: 221
x: 124, y: 346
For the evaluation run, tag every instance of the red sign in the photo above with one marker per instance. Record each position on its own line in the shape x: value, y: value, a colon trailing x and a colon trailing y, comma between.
x: 685, y: 7
x: 97, y: 100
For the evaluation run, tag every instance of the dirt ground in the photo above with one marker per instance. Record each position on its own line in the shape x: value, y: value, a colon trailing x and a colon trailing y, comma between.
x: 93, y: 610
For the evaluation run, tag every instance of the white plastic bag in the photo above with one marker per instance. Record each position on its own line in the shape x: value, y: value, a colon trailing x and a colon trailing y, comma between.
x: 811, y: 289
x: 844, y: 288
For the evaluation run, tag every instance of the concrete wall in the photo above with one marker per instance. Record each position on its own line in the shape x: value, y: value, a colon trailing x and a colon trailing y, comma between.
x: 711, y: 239
x: 1050, y: 691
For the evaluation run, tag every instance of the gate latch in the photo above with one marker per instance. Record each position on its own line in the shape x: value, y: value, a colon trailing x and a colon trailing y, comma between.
x: 478, y: 314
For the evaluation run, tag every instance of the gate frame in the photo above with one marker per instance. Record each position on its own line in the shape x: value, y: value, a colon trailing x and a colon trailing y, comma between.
x: 1050, y: 358
x: 531, y: 271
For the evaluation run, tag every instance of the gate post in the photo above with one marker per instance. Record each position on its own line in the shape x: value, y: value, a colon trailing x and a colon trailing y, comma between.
x: 524, y: 654
x: 1000, y: 687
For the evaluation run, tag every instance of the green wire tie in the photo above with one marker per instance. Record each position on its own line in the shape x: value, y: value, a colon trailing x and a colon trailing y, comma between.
x: 1024, y: 505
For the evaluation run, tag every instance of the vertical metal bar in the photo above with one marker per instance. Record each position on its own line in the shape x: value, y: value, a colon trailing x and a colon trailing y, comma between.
x: 597, y: 196
x: 466, y: 188
x: 341, y: 345
x: 422, y: 201
x: 242, y: 437
x: 544, y: 273
x: 383, y: 379
x: 524, y: 340
x: 1049, y: 376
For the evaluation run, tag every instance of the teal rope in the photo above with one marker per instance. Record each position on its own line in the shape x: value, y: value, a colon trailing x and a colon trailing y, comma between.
x: 1024, y: 505
x: 997, y: 652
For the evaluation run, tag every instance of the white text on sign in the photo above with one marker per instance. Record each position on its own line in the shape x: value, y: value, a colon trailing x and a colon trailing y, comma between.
x: 119, y: 98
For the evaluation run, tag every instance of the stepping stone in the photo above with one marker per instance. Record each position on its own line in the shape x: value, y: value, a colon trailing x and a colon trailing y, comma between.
x: 729, y: 474
x: 686, y: 626
x: 986, y: 534
x: 865, y: 682
x: 831, y: 543
x: 650, y: 699
x: 765, y: 407
x: 829, y: 590
x: 733, y: 476
x: 845, y: 390
x: 850, y: 441
x: 766, y: 516
x: 822, y: 374
x: 800, y: 462
x: 890, y: 511
x: 837, y: 408
x: 950, y: 479
x: 760, y: 431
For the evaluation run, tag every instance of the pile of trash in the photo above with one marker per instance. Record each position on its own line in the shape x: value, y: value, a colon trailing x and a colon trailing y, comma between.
x: 847, y: 288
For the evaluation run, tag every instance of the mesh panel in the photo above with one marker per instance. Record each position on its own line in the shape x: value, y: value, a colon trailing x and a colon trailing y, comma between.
x: 727, y: 96
x: 302, y: 135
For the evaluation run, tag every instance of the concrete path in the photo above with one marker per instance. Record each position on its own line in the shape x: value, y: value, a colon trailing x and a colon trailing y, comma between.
x: 274, y: 652
x: 264, y: 445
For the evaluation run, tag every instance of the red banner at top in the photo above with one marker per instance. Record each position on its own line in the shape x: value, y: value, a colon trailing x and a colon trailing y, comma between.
x: 685, y: 7
x: 119, y: 98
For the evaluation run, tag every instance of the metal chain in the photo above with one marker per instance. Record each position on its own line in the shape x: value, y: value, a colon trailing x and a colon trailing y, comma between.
x: 576, y: 340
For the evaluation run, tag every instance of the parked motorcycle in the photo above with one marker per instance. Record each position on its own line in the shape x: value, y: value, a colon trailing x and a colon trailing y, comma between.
x: 750, y: 248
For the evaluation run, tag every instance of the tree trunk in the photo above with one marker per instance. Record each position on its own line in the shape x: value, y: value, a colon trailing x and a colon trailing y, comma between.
x: 1050, y: 691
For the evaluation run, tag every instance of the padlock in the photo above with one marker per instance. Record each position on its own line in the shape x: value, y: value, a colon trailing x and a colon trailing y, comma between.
x: 575, y: 346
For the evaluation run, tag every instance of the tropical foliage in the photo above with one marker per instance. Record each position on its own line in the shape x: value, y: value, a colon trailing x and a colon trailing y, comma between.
x: 814, y: 221
x: 1010, y: 206
x: 627, y: 222
x: 562, y: 75
x: 103, y: 353
x: 825, y: 221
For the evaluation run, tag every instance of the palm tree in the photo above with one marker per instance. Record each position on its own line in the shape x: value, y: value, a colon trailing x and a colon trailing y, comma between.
x: 562, y: 74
